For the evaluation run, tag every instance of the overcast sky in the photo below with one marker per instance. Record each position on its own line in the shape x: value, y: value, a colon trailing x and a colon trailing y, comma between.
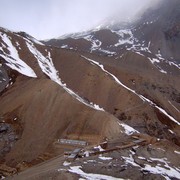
x: 46, y: 19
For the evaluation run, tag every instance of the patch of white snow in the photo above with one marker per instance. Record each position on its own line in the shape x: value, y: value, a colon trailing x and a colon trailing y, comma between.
x: 128, y: 130
x: 105, y: 158
x: 177, y: 152
x: 90, y: 176
x: 66, y: 163
x: 45, y: 63
x: 13, y: 60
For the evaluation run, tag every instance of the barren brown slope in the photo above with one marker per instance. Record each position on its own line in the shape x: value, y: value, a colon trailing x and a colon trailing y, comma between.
x: 97, y: 86
x: 36, y: 113
x: 78, y: 44
x: 45, y: 113
x: 138, y: 73
x: 161, y: 88
x: 19, y: 40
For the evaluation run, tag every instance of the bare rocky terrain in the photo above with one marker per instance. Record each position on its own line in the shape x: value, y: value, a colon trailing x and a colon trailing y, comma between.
x: 111, y: 95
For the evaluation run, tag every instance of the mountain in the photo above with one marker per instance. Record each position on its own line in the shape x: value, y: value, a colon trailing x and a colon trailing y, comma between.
x: 156, y: 35
x: 107, y: 85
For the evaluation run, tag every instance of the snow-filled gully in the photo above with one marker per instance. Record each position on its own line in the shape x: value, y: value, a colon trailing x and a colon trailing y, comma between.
x: 131, y: 90
x: 47, y: 66
x: 12, y: 58
x: 45, y: 63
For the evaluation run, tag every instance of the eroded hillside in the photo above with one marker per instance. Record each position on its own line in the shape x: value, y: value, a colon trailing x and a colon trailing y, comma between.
x: 113, y: 92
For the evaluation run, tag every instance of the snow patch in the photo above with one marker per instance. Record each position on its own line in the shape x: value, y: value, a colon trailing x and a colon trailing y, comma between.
x: 66, y: 163
x: 98, y: 108
x: 166, y: 171
x: 128, y: 130
x: 94, y: 106
x: 139, y: 157
x: 86, y: 153
x: 171, y: 131
x: 96, y: 45
x: 161, y: 149
x: 13, y: 60
x: 37, y: 42
x: 126, y: 37
x: 140, y: 53
x: 105, y: 158
x: 174, y: 64
x: 64, y: 46
x: 91, y: 161
x: 45, y: 63
x: 162, y: 71
x: 162, y: 168
x: 130, y: 160
x: 107, y: 52
x: 18, y: 45
x: 154, y: 60
x: 174, y: 106
x: 169, y: 116
x: 90, y: 176
x: 99, y: 148
x: 177, y: 152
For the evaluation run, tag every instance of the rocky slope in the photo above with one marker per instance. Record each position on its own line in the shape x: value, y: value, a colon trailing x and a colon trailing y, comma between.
x: 36, y: 111
x: 108, y: 84
x: 139, y: 55
x: 155, y: 34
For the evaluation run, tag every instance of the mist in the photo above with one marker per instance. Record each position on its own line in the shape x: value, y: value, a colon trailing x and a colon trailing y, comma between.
x: 45, y: 19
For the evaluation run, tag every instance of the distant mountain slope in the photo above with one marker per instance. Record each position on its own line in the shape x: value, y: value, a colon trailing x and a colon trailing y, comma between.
x: 140, y: 55
x: 102, y: 85
x: 156, y: 35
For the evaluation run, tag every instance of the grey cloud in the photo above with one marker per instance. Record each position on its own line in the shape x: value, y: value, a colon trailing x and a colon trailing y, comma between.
x: 51, y: 18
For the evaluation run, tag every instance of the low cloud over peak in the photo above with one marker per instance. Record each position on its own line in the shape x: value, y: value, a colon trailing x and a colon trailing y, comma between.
x: 47, y: 19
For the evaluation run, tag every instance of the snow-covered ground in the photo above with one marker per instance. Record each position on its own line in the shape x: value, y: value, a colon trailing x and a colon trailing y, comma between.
x: 147, y: 163
x: 128, y: 129
x: 12, y: 57
x: 90, y: 176
x: 104, y: 158
x: 45, y: 63
x: 162, y: 166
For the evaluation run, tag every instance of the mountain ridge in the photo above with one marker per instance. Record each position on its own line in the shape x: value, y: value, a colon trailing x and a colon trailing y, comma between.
x: 104, y: 86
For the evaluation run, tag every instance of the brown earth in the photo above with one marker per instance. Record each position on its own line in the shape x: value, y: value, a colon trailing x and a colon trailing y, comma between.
x: 46, y: 113
x: 36, y: 113
x: 133, y: 70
